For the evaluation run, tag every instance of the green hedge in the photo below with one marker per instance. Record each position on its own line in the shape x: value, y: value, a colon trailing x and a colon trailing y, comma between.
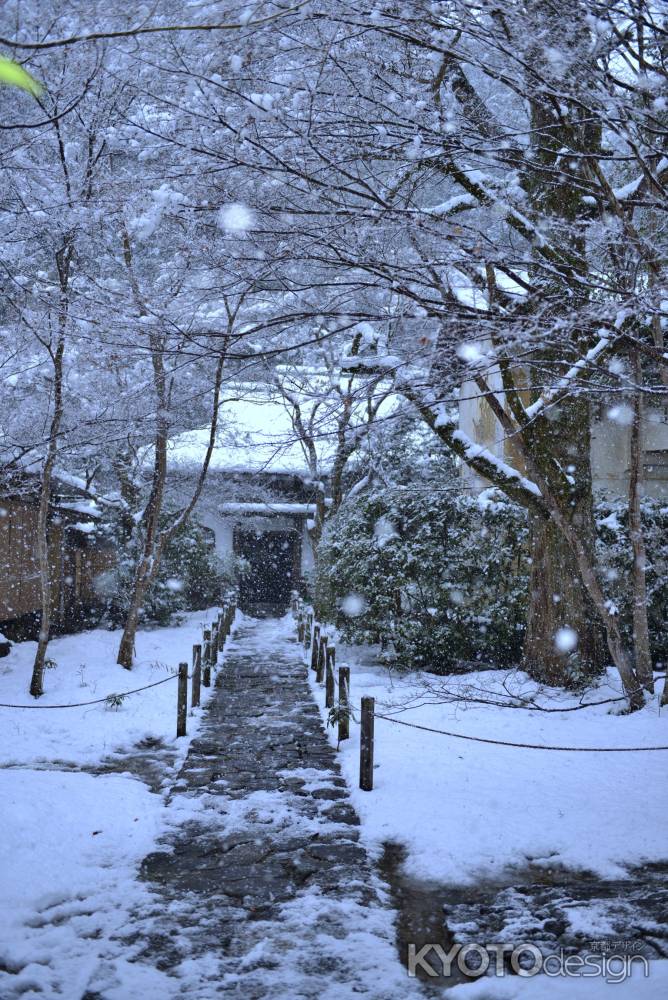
x: 190, y: 577
x: 442, y: 577
x: 441, y: 580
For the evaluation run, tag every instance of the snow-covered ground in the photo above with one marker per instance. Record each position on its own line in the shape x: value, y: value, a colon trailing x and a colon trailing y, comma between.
x: 85, y: 669
x: 76, y: 824
x: 69, y: 850
x: 470, y: 813
x: 470, y: 809
x: 73, y: 831
x: 70, y: 840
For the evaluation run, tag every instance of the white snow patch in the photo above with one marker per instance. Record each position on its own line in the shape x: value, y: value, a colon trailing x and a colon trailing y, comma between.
x: 70, y: 847
x: 468, y: 810
x: 71, y: 841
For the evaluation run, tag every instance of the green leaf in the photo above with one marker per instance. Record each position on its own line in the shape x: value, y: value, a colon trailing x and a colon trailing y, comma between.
x: 16, y: 76
x: 114, y: 700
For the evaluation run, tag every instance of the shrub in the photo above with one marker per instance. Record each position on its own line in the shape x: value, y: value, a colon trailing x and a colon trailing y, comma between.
x: 614, y: 552
x: 190, y: 577
x: 441, y: 578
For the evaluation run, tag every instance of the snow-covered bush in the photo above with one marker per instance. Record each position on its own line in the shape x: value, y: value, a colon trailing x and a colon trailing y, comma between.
x: 441, y: 579
x: 435, y: 577
x: 190, y: 577
x: 614, y: 552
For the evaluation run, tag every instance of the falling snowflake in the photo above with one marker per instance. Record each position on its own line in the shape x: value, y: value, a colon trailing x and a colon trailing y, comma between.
x: 384, y: 531
x: 565, y: 639
x: 622, y: 414
x: 353, y: 605
x: 235, y: 218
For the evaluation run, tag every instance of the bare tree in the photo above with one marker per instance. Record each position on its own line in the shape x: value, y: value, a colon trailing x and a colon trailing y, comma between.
x: 332, y: 414
x: 56, y: 352
x: 155, y: 536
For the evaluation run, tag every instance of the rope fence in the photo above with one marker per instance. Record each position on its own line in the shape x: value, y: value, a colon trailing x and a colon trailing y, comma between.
x: 204, y: 659
x: 97, y: 701
x: 320, y: 655
x: 506, y: 743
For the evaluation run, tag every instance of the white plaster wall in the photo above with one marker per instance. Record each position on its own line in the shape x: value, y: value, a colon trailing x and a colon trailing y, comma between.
x: 610, y: 453
x: 610, y: 438
x: 610, y: 456
x: 222, y: 527
x: 477, y: 421
x: 308, y: 563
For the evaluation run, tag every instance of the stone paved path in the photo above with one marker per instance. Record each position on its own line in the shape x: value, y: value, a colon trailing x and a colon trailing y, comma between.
x: 262, y: 889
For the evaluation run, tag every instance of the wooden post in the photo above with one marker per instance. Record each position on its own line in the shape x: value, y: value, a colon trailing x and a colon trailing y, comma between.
x: 223, y: 630
x: 329, y: 676
x: 315, y: 648
x: 322, y: 655
x: 206, y: 659
x: 344, y: 705
x: 366, y: 744
x: 213, y: 648
x: 308, y: 630
x: 300, y: 628
x: 182, y: 700
x: 197, y: 675
x: 217, y: 635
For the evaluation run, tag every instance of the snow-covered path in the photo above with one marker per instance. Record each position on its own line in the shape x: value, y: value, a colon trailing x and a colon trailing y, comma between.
x: 261, y: 889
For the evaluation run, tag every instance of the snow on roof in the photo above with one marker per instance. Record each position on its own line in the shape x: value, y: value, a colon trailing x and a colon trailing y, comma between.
x: 87, y: 507
x: 268, y: 508
x: 87, y: 527
x: 255, y: 434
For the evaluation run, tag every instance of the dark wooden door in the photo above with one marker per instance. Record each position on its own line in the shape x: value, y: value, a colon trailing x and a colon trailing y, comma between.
x: 270, y: 560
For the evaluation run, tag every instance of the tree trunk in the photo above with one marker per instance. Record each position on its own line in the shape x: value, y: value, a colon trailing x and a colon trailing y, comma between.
x: 63, y: 261
x: 152, y: 544
x: 155, y: 538
x: 664, y: 693
x: 558, y: 600
x: 608, y: 617
x: 150, y: 556
x: 126, y: 649
x: 37, y: 679
x: 641, y: 640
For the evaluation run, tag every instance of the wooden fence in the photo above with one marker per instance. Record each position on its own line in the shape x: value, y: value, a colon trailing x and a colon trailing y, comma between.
x: 320, y: 656
x: 204, y: 661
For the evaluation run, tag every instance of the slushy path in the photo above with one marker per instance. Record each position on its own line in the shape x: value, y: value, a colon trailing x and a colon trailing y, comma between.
x: 262, y: 889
